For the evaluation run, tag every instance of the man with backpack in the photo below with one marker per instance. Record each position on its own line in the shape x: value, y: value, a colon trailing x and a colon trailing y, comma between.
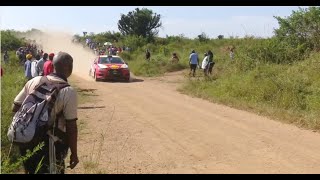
x: 34, y: 69
x: 53, y: 117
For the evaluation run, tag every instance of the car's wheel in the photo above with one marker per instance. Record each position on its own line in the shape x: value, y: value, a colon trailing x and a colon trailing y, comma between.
x: 127, y: 79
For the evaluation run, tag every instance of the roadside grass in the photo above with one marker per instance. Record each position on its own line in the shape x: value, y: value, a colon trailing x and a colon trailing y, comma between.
x: 12, y: 82
x: 289, y: 93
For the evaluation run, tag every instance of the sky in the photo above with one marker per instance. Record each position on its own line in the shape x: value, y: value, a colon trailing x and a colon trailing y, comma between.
x: 187, y: 20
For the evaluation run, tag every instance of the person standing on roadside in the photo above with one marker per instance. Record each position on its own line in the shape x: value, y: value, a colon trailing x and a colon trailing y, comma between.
x: 194, y: 62
x: 34, y: 69
x: 48, y: 66
x: 27, y: 67
x: 41, y: 63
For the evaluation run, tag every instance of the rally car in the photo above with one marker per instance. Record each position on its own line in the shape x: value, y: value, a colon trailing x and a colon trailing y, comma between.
x: 109, y: 67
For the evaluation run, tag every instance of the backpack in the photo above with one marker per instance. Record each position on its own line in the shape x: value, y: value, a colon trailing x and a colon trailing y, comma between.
x: 30, y: 123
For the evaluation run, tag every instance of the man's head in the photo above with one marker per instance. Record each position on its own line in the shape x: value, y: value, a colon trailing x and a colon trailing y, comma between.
x: 63, y: 64
x: 37, y: 57
x: 45, y: 56
x: 51, y: 55
x: 193, y: 51
x: 29, y: 56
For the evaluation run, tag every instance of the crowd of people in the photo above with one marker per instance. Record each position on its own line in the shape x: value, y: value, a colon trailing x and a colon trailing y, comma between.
x: 105, y: 49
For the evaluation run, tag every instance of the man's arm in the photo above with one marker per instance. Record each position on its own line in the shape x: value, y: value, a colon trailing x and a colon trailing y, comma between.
x: 72, y: 136
x: 70, y: 114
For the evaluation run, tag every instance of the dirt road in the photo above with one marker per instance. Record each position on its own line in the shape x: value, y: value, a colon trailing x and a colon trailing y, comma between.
x: 148, y: 127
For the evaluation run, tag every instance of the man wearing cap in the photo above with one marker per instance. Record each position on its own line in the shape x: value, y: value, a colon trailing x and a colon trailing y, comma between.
x: 48, y: 66
x: 27, y: 67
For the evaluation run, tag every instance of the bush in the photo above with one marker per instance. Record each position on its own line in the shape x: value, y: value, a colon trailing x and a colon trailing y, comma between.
x: 10, y: 42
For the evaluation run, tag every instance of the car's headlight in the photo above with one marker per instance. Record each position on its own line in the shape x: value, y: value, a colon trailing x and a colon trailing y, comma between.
x: 102, y: 68
x: 124, y: 66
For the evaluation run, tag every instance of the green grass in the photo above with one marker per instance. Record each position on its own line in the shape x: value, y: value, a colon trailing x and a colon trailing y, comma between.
x: 290, y: 93
x: 12, y: 82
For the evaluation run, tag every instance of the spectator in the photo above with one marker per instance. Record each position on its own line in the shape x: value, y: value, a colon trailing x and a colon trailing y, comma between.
x: 27, y: 67
x: 34, y: 69
x: 231, y: 54
x: 41, y: 63
x: 148, y: 55
x: 174, y: 58
x: 193, y: 61
x: 204, y: 64
x: 48, y: 66
x: 211, y: 63
x: 6, y: 57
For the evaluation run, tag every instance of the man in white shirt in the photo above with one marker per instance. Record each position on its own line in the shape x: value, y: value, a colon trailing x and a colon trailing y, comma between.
x: 34, y: 69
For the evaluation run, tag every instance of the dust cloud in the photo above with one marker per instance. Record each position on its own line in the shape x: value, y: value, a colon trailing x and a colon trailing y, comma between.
x: 53, y: 42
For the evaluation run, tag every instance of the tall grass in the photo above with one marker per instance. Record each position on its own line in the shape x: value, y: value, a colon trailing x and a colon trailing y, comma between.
x: 12, y: 82
x: 290, y: 93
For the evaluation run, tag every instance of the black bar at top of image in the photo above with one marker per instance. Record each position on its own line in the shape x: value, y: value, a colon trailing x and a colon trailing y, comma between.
x: 161, y: 3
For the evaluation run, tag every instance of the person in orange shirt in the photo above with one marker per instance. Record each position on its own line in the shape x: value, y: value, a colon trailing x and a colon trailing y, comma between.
x: 48, y: 66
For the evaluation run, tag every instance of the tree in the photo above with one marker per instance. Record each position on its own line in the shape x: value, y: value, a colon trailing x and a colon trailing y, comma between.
x: 142, y: 22
x: 220, y: 37
x: 301, y: 28
x: 203, y: 37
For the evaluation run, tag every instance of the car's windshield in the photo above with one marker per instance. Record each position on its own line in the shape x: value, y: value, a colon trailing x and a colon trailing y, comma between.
x: 112, y: 60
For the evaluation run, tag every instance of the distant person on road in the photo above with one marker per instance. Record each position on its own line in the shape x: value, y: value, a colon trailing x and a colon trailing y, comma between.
x: 27, y: 67
x: 64, y: 114
x: 193, y: 61
x: 148, y: 55
x: 48, y: 66
x: 34, y: 69
x: 40, y: 64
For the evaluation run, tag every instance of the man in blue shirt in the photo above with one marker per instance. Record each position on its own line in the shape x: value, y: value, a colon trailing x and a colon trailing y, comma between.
x: 194, y: 61
x: 27, y: 67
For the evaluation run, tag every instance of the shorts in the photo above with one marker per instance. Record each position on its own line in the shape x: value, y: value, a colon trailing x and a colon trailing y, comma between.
x: 193, y: 66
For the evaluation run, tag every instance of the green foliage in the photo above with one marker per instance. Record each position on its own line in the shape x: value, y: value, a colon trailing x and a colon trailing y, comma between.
x: 301, y: 28
x: 134, y: 42
x: 220, y: 37
x: 8, y: 166
x: 9, y: 41
x: 12, y: 82
x: 203, y: 37
x: 142, y: 22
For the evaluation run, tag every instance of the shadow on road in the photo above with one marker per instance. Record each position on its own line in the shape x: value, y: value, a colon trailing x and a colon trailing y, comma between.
x: 91, y: 107
x: 132, y: 80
